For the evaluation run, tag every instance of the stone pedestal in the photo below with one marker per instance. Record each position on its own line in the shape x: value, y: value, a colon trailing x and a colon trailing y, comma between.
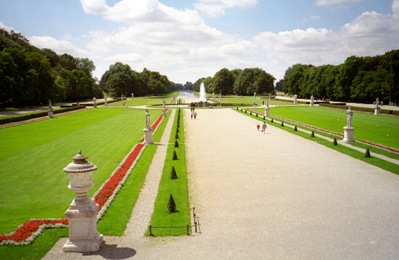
x: 349, y: 134
x: 82, y: 224
x: 267, y: 112
x: 148, y: 136
x: 50, y: 114
x: 82, y: 213
x: 377, y: 110
x: 164, y: 112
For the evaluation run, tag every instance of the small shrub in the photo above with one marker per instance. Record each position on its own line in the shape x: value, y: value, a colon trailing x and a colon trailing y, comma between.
x: 173, y: 174
x: 174, y: 155
x: 335, y: 141
x: 282, y: 123
x: 171, y: 204
x: 367, y: 154
x: 177, y: 136
x: 295, y: 129
x: 312, y: 134
x: 176, y: 144
x: 271, y: 121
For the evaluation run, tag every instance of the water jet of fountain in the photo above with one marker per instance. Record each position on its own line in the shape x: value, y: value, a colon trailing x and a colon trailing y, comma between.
x: 202, y: 93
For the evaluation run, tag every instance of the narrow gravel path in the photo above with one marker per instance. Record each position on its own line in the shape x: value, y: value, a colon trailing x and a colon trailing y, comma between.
x: 271, y: 195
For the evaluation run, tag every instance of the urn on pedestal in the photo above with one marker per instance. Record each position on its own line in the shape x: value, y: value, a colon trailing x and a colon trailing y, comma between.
x: 82, y: 213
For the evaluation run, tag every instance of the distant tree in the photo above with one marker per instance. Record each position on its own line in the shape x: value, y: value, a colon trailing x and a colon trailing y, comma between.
x: 222, y: 82
x: 280, y: 85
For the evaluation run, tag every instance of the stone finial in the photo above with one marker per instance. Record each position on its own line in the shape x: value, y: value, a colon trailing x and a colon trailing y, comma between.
x: 80, y: 164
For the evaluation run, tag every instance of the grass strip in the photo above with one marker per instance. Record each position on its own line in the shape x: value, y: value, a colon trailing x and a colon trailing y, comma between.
x: 178, y: 188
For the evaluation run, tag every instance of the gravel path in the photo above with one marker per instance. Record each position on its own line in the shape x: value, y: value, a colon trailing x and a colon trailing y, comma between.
x: 269, y: 195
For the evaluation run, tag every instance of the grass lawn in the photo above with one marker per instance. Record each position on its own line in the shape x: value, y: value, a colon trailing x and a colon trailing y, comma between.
x: 113, y: 222
x: 381, y: 129
x: 177, y: 187
x: 33, y: 156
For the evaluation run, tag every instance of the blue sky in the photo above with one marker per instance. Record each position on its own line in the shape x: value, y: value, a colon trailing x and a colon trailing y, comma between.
x: 186, y: 40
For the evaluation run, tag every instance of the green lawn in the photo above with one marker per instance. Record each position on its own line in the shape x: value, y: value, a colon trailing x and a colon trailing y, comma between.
x: 381, y: 129
x: 33, y: 156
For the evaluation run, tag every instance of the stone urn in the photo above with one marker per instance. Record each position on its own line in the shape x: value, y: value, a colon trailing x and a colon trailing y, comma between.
x: 82, y: 213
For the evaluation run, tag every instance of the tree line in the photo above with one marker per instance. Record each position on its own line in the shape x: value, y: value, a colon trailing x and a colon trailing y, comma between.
x: 120, y: 79
x: 358, y: 79
x: 238, y: 82
x: 33, y: 76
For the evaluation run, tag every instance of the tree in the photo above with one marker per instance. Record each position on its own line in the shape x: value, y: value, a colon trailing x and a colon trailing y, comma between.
x: 223, y: 82
x: 9, y: 78
x: 294, y: 76
x: 280, y: 85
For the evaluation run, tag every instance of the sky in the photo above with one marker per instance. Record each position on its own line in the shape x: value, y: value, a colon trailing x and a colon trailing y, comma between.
x: 190, y: 39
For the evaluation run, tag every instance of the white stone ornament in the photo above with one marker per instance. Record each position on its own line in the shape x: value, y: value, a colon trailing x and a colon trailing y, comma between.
x: 82, y: 213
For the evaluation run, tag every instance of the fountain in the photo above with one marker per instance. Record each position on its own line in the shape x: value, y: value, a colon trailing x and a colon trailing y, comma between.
x: 202, y: 93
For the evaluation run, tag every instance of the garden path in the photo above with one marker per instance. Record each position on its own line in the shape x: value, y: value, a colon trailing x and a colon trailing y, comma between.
x: 270, y: 195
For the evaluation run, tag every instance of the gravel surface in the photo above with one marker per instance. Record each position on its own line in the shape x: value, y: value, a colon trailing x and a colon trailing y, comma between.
x: 268, y: 195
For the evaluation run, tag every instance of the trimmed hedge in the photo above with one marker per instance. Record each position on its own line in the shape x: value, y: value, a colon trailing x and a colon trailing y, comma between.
x: 24, y: 117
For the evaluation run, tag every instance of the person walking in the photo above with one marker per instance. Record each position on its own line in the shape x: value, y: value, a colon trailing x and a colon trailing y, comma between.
x: 258, y: 126
x: 264, y: 126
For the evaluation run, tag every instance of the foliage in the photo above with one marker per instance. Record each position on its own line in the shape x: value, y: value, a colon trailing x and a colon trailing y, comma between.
x: 358, y: 79
x: 32, y: 76
x: 171, y: 204
x: 120, y: 79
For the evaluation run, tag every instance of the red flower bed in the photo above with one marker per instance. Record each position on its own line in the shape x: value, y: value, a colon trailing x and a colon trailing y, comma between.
x: 109, y: 187
x: 26, y: 230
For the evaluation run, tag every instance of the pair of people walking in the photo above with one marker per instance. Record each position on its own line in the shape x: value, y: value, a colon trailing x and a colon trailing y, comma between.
x: 264, y: 127
x: 193, y: 113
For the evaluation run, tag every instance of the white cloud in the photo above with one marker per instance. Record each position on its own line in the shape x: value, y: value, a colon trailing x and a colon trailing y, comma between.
x: 7, y: 28
x: 179, y: 44
x: 59, y: 46
x: 335, y: 2
x: 217, y: 7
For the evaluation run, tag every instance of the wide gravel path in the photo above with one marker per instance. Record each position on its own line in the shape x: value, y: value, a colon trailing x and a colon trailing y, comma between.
x: 270, y: 195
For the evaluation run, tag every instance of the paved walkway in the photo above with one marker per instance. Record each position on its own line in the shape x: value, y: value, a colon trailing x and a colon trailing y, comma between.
x: 269, y: 196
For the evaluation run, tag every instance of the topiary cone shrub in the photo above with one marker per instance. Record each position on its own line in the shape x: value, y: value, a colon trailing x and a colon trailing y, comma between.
x: 256, y: 114
x: 312, y: 134
x: 335, y: 141
x: 282, y: 123
x: 171, y: 204
x: 295, y: 129
x: 174, y: 155
x: 177, y: 136
x: 271, y: 121
x: 176, y: 143
x: 264, y: 117
x: 173, y: 174
x: 367, y: 154
x: 177, y: 129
